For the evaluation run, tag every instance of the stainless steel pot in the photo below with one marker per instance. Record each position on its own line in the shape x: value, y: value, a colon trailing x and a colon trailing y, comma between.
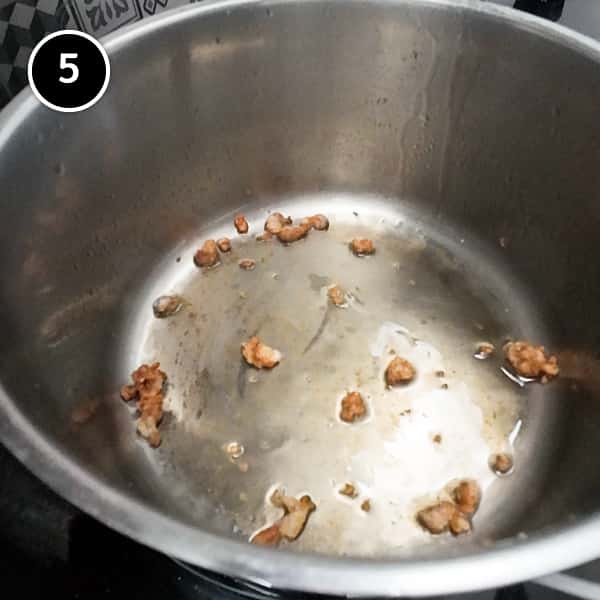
x: 469, y: 130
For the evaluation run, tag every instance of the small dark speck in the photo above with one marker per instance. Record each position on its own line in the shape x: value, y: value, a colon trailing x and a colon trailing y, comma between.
x: 444, y: 386
x: 355, y: 213
x: 178, y: 259
x: 217, y: 40
x: 415, y: 54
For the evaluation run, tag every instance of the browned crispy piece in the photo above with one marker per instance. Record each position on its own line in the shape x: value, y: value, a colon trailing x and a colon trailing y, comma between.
x: 240, y: 223
x: 353, y: 407
x: 265, y: 236
x: 166, y: 306
x: 485, y: 350
x: 248, y: 264
x: 467, y: 496
x: 260, y: 355
x: 296, y: 514
x: 208, y: 255
x: 436, y: 518
x: 437, y: 438
x: 337, y: 295
x: 318, y: 222
x: 531, y: 361
x: 398, y: 371
x: 291, y: 525
x: 224, y: 244
x: 348, y: 490
x: 501, y: 463
x: 366, y: 505
x: 271, y: 536
x: 362, y: 247
x: 292, y: 233
x: 459, y: 523
x: 147, y: 388
x: 275, y: 223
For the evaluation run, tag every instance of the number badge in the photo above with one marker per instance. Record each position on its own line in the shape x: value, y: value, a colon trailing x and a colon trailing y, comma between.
x: 68, y: 71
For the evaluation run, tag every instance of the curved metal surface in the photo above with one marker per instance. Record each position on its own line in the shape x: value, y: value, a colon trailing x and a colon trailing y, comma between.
x: 43, y: 446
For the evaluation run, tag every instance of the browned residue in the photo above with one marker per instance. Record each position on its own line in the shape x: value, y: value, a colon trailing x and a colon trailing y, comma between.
x: 291, y: 525
x: 260, y: 355
x: 147, y: 390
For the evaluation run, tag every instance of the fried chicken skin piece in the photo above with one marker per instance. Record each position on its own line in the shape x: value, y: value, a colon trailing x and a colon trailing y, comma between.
x: 147, y: 389
x: 353, y: 407
x: 318, y: 222
x: 467, y: 496
x: 271, y: 536
x: 291, y: 525
x: 337, y: 295
x: 531, y: 361
x: 436, y: 518
x: 501, y: 463
x: 399, y: 371
x: 293, y: 233
x: 224, y: 244
x: 260, y: 355
x: 265, y: 236
x: 275, y: 223
x: 166, y: 306
x: 362, y: 247
x: 207, y: 255
x: 459, y: 523
x: 240, y: 223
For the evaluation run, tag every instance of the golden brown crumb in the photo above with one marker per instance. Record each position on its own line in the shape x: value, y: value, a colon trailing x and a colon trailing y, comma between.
x: 444, y: 386
x: 166, y: 306
x: 349, y: 490
x: 459, y: 524
x: 147, y: 388
x: 271, y: 536
x: 501, y: 463
x: 366, y: 505
x: 336, y: 295
x: 292, y: 233
x: 247, y: 264
x: 224, y: 244
x: 275, y: 223
x: 362, y: 247
x: 260, y: 355
x: 440, y: 373
x: 318, y: 222
x: 531, y: 361
x: 291, y: 525
x: 208, y: 255
x: 399, y: 371
x: 467, y: 496
x: 265, y: 236
x: 437, y: 438
x: 297, y: 512
x: 484, y: 350
x: 436, y: 518
x: 241, y: 224
x: 353, y: 407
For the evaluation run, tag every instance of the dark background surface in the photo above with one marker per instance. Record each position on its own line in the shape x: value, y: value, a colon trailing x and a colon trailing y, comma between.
x: 49, y: 548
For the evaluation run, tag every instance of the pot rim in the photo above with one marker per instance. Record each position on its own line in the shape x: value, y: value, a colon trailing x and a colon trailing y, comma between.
x: 506, y: 562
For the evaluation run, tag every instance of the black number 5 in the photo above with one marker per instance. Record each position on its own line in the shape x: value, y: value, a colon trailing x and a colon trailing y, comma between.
x: 65, y: 57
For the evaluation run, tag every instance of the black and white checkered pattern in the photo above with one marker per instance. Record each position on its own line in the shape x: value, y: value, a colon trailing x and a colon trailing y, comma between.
x: 22, y: 25
x: 25, y: 22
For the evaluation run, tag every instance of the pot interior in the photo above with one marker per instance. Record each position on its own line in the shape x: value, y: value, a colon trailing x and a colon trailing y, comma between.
x: 463, y: 145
